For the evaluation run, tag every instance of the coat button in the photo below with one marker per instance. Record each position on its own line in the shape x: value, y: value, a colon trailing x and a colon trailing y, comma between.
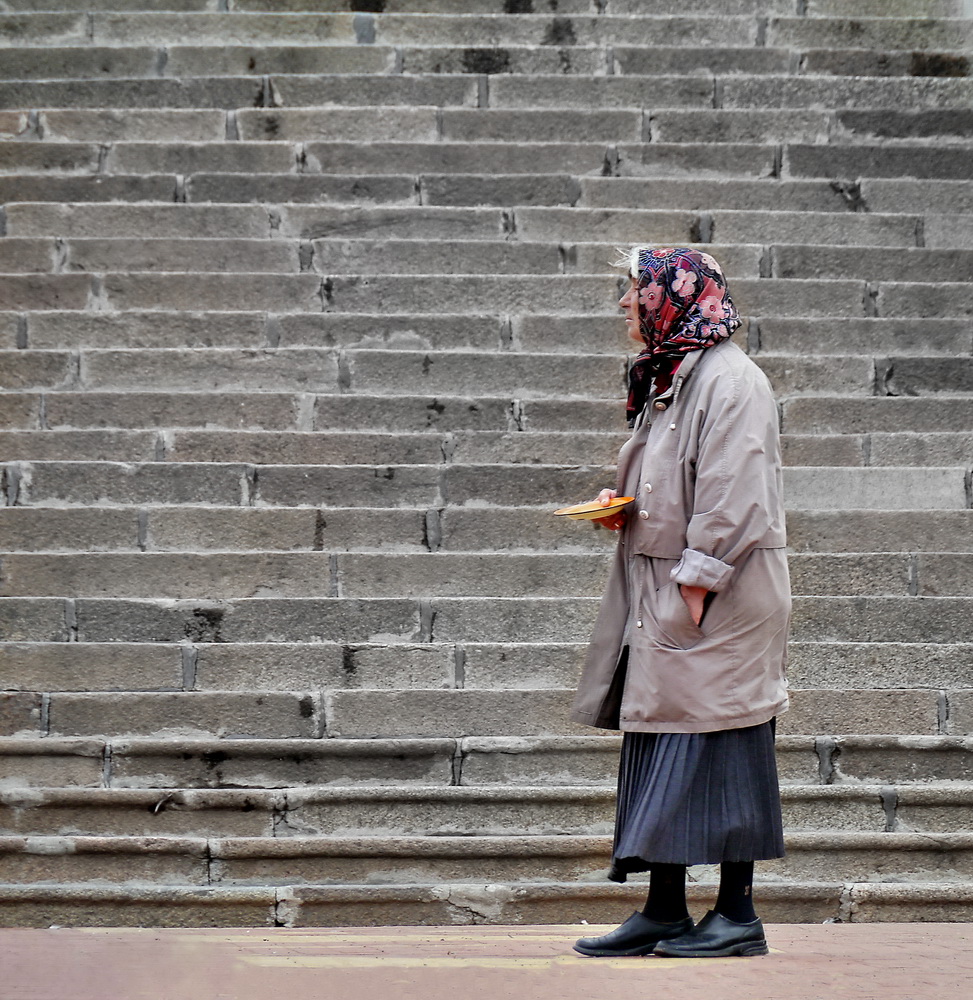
x: 644, y: 514
x: 638, y: 624
x: 647, y: 487
x: 672, y: 427
x: 660, y: 406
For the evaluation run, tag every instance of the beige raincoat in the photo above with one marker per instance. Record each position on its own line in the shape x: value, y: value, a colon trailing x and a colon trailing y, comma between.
x: 703, y: 464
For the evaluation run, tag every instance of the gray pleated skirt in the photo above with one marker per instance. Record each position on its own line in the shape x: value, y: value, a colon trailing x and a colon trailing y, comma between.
x: 697, y: 799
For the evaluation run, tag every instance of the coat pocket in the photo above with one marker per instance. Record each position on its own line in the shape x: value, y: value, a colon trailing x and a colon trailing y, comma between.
x: 671, y: 623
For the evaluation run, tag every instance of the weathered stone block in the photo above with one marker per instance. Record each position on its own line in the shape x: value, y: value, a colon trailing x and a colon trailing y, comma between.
x: 136, y: 813
x: 605, y: 92
x: 234, y: 529
x: 880, y: 902
x: 319, y: 90
x: 45, y: 291
x: 451, y: 713
x: 101, y: 188
x: 504, y: 666
x: 154, y: 330
x: 415, y: 222
x: 183, y: 255
x: 722, y: 125
x: 834, y: 808
x: 444, y: 812
x: 501, y: 760
x: 80, y: 666
x: 920, y: 449
x: 292, y: 667
x: 937, y: 163
x: 337, y: 486
x: 652, y: 59
x: 513, y: 619
x: 205, y: 60
x: 26, y: 529
x: 32, y: 619
x: 75, y: 62
x: 656, y: 226
x: 86, y: 483
x: 25, y: 255
x: 917, y: 299
x: 389, y: 331
x: 819, y: 449
x: 872, y: 335
x: 878, y: 489
x: 381, y: 411
x: 950, y: 231
x: 46, y: 28
x: 152, y: 906
x: 869, y: 33
x: 679, y: 160
x: 20, y: 713
x: 289, y: 188
x: 959, y: 718
x: 53, y: 860
x: 536, y: 447
x: 854, y: 416
x: 279, y: 764
x: 210, y: 157
x: 67, y: 157
x: 144, y: 124
x: 932, y: 810
x: 68, y: 221
x: 457, y: 575
x: 523, y: 375
x: 286, y: 370
x: 441, y: 257
x: 498, y: 529
x: 51, y: 762
x: 522, y: 485
x: 321, y: 620
x: 306, y: 447
x: 253, y: 714
x: 28, y: 369
x: 213, y: 291
x: 124, y: 95
x: 878, y: 665
x: 896, y: 759
x: 233, y: 411
x: 872, y: 575
x: 79, y: 446
x: 366, y: 124
x: 880, y: 619
x: 849, y: 711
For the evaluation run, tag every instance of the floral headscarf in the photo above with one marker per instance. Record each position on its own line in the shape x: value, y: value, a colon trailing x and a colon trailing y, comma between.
x: 684, y: 306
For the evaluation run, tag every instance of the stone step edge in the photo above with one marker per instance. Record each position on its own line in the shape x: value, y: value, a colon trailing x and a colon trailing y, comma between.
x: 958, y: 793
x: 571, y: 905
x: 87, y: 746
x: 413, y: 845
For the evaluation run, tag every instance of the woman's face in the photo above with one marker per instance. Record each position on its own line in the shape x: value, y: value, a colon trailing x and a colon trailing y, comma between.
x: 629, y: 302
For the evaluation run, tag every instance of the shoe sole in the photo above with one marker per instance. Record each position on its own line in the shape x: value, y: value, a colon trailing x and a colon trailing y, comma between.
x: 748, y: 949
x: 647, y: 949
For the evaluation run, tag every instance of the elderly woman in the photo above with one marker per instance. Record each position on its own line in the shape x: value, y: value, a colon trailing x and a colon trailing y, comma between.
x: 687, y: 656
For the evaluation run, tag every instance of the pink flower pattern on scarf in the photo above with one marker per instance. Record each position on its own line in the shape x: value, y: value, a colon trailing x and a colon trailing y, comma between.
x: 684, y: 306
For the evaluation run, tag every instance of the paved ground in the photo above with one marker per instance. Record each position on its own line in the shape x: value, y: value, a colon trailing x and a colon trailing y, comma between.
x: 807, y: 962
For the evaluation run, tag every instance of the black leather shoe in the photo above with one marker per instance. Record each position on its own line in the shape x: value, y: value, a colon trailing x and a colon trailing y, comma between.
x: 716, y: 936
x: 637, y: 936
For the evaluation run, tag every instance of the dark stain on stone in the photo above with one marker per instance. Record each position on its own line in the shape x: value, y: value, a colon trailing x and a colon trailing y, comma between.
x: 205, y: 625
x: 252, y: 63
x: 306, y: 706
x: 348, y: 664
x: 486, y: 61
x: 426, y: 365
x: 560, y: 32
x: 214, y: 758
x: 368, y: 6
x: 518, y: 6
x: 319, y: 525
x: 939, y: 64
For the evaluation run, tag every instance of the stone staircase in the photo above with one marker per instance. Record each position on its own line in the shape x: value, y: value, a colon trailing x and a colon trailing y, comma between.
x: 306, y: 326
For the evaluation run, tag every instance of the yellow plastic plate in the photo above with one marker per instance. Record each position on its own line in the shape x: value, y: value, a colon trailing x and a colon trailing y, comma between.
x: 592, y: 509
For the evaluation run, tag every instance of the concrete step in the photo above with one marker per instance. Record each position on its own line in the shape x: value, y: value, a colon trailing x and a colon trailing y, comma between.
x: 466, y: 448
x: 388, y: 575
x: 943, y: 100
x: 316, y: 860
x: 138, y: 27
x: 307, y: 222
x: 847, y: 415
x: 454, y: 529
x: 359, y: 714
x: 78, y: 904
x: 448, y: 811
x: 212, y: 28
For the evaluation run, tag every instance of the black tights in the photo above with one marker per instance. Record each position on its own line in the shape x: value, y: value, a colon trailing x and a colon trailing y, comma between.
x: 667, y: 893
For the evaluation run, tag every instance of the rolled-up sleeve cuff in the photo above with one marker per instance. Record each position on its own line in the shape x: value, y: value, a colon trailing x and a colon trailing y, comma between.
x: 696, y: 569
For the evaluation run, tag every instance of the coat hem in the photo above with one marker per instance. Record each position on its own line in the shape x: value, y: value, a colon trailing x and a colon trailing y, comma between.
x: 705, y: 726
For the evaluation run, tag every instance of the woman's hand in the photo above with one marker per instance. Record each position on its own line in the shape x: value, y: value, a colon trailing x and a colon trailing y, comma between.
x: 613, y: 522
x: 695, y: 598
